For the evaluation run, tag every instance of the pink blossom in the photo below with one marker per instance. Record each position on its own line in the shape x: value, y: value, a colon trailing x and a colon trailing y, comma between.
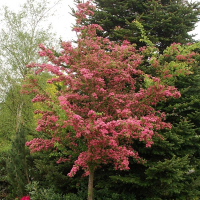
x: 94, y: 95
x: 98, y: 113
x: 25, y: 198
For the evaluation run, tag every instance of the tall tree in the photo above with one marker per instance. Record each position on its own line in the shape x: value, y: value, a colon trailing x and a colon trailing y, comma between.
x: 165, y: 21
x: 17, y: 168
x: 172, y: 167
x: 98, y: 111
x: 20, y: 36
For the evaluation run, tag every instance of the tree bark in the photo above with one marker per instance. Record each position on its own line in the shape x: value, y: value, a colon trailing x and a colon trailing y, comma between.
x: 90, y: 183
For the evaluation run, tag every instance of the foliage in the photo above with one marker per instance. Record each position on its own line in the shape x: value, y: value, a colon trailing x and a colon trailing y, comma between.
x: 16, y: 166
x: 165, y: 21
x: 3, y: 174
x: 48, y: 173
x: 19, y: 39
x: 20, y: 35
x: 36, y: 192
x: 179, y: 147
x: 97, y: 112
x: 170, y: 161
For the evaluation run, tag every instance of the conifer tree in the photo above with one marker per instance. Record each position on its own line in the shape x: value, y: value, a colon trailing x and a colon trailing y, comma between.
x: 17, y: 170
x: 172, y: 167
x: 165, y: 21
x: 3, y: 174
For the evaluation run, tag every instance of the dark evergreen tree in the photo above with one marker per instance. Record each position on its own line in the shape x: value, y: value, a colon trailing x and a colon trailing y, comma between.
x: 3, y: 181
x: 16, y: 165
x: 172, y: 167
x: 165, y: 21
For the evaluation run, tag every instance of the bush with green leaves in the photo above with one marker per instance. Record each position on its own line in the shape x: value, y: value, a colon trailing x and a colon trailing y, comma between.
x: 3, y: 175
x: 36, y: 192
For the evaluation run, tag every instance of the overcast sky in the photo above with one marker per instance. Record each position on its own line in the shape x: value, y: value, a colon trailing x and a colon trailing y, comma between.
x: 62, y: 21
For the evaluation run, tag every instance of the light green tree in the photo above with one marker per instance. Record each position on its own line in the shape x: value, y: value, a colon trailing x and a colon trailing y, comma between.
x: 21, y: 33
x: 20, y: 36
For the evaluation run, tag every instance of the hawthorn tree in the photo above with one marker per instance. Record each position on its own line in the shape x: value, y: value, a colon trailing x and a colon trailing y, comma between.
x: 165, y: 22
x: 98, y: 111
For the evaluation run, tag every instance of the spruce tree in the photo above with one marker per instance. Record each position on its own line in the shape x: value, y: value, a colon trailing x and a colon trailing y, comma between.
x: 172, y: 167
x: 165, y: 21
x: 17, y: 170
x: 3, y: 174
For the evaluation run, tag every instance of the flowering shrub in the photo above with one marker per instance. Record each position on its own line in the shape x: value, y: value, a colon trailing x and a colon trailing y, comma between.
x: 98, y: 112
x: 24, y: 198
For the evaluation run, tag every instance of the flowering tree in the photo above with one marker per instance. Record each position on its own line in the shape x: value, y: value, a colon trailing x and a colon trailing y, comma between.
x: 97, y: 111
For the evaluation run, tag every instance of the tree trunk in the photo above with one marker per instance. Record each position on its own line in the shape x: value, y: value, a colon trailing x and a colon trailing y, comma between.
x: 90, y: 183
x: 19, y: 117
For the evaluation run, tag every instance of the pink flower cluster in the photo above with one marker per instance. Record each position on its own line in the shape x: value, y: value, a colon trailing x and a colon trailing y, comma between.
x: 38, y: 144
x: 24, y: 198
x: 84, y: 9
x: 99, y: 112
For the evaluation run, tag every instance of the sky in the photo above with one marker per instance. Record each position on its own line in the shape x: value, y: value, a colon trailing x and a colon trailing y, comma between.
x: 62, y: 21
x: 197, y: 29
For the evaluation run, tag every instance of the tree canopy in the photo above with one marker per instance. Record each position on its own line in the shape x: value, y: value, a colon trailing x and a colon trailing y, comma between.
x: 165, y: 22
